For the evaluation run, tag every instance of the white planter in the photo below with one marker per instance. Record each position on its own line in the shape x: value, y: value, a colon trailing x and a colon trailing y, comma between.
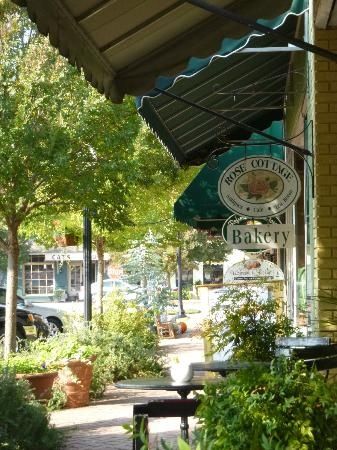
x: 181, y: 372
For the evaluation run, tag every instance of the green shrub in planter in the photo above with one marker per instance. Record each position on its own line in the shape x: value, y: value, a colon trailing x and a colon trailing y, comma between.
x: 285, y: 407
x: 249, y: 321
x: 24, y: 423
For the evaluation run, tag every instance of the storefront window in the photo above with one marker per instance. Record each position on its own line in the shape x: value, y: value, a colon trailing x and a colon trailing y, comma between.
x: 213, y: 274
x: 38, y: 276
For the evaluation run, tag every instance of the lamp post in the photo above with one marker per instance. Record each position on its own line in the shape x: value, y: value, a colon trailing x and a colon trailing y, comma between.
x: 180, y: 288
x: 87, y: 265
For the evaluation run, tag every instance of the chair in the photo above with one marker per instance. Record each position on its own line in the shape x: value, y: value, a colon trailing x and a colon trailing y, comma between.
x: 316, y: 352
x: 165, y: 329
x: 161, y: 408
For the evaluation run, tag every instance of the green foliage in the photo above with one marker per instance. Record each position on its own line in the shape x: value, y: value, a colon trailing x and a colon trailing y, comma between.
x: 128, y: 346
x: 25, y: 362
x: 185, y: 294
x: 204, y: 248
x: 284, y: 407
x: 60, y: 348
x: 24, y: 423
x: 245, y: 318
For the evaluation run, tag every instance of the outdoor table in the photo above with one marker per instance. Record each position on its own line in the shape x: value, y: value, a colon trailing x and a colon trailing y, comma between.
x: 225, y: 367
x: 167, y: 384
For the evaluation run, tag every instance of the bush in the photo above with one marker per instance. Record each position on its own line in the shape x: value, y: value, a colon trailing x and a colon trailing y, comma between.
x: 285, y: 407
x: 24, y: 423
x: 128, y: 346
x: 248, y: 321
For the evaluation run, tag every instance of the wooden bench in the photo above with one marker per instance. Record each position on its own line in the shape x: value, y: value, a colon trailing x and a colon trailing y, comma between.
x: 165, y: 329
x: 161, y: 408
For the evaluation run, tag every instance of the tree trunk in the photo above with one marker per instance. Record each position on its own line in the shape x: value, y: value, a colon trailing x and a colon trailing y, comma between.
x: 100, y: 270
x: 12, y: 284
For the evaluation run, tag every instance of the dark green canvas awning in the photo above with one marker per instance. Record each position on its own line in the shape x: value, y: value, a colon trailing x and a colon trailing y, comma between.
x: 200, y: 205
x: 243, y: 81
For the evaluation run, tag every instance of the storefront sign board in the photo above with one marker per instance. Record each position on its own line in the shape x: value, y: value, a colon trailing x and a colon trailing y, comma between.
x: 246, y: 237
x: 259, y: 186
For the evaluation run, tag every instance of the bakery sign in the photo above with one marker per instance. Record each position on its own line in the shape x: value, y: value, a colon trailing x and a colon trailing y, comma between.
x: 259, y: 186
x: 262, y: 236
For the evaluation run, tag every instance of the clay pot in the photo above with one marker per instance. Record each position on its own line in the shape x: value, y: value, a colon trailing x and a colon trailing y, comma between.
x: 41, y: 383
x: 75, y: 379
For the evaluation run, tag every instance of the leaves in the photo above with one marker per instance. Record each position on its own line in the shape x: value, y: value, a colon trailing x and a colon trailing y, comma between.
x: 272, y: 409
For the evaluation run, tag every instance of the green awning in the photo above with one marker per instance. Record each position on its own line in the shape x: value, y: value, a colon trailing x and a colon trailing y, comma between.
x: 243, y: 81
x: 200, y: 206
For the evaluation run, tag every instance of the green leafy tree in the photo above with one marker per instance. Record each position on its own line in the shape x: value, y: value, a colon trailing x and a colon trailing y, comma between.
x: 55, y: 155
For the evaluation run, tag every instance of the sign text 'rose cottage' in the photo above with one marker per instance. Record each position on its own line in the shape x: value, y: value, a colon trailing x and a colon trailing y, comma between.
x: 259, y: 186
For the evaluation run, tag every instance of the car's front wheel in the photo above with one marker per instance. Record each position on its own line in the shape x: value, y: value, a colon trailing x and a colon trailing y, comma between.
x: 55, y: 326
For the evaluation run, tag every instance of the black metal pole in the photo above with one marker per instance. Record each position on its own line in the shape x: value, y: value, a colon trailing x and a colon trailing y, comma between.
x: 180, y: 287
x: 87, y: 265
x: 300, y: 151
x: 230, y: 15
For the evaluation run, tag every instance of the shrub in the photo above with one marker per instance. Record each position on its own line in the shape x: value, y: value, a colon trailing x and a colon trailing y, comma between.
x: 248, y: 321
x: 128, y: 346
x: 285, y: 407
x: 24, y: 423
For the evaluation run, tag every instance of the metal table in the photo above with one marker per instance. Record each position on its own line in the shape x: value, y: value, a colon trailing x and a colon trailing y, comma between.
x: 167, y: 384
x: 225, y: 367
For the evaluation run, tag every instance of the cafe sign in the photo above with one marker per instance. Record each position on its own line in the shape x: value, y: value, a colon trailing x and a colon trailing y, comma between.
x: 259, y: 186
x: 248, y: 237
x: 253, y: 270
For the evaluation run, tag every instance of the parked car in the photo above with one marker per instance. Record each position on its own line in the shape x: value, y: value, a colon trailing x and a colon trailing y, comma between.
x: 130, y: 291
x: 52, y: 316
x: 28, y: 324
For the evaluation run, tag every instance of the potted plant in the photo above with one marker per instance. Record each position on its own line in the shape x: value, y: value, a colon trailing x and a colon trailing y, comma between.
x: 245, y: 322
x: 74, y: 358
x: 31, y: 367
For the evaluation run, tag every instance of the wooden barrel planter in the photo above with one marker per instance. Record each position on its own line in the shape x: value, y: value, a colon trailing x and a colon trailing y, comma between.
x: 41, y: 383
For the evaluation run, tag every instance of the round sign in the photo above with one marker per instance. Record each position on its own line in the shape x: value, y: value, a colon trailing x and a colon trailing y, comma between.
x: 259, y: 186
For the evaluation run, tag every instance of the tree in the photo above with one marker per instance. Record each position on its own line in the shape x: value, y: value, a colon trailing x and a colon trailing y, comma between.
x: 55, y: 154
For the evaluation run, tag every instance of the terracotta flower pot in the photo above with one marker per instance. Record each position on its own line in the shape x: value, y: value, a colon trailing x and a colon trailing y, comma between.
x: 41, y: 383
x: 75, y: 379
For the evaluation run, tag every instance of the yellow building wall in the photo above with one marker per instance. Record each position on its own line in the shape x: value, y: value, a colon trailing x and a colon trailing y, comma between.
x: 325, y: 203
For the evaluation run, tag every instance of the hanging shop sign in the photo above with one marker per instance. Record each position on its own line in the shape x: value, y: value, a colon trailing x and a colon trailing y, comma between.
x: 246, y: 237
x: 259, y: 186
x: 253, y: 270
x: 234, y: 220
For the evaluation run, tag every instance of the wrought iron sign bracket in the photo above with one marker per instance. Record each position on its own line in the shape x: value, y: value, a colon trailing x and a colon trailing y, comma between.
x: 300, y: 151
x: 234, y: 17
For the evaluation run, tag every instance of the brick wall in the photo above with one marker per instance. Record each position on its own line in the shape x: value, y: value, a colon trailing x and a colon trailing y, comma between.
x: 325, y: 204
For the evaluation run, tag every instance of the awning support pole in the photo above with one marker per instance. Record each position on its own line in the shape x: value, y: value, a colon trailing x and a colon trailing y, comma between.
x: 263, y: 29
x: 295, y: 148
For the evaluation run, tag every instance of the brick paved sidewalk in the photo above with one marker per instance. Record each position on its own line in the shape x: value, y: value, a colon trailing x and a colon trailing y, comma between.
x: 99, y: 425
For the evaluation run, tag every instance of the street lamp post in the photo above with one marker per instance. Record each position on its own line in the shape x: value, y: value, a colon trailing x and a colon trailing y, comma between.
x: 87, y: 265
x: 180, y: 289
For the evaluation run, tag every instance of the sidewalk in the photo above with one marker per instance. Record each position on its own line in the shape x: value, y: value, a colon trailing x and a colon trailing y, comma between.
x: 99, y: 425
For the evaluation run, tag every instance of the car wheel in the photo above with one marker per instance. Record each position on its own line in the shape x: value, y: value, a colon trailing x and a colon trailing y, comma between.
x: 55, y: 326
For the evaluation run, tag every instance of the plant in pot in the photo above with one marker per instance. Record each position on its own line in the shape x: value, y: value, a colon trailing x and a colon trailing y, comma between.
x: 31, y: 366
x: 283, y: 406
x: 245, y: 321
x: 74, y: 358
